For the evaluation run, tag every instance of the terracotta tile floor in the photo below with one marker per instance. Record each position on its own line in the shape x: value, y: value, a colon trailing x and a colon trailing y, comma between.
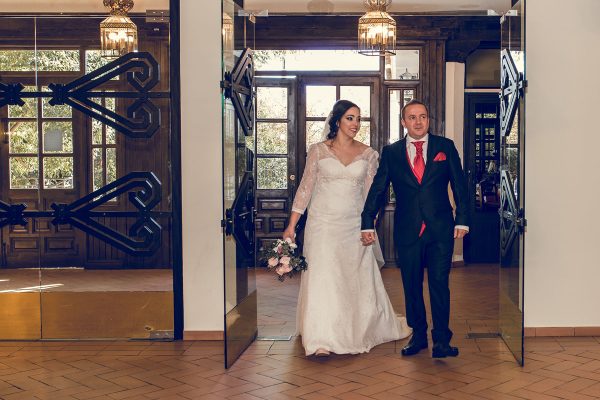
x: 556, y: 368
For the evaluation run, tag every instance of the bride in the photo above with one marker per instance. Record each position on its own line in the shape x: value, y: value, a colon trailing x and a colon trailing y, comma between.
x: 342, y: 306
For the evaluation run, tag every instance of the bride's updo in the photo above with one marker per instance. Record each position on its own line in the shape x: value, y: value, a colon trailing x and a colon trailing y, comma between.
x: 339, y: 109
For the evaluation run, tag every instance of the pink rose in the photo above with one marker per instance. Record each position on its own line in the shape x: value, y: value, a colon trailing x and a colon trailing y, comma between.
x: 284, y: 260
x: 279, y: 249
x: 283, y: 269
x: 273, y: 261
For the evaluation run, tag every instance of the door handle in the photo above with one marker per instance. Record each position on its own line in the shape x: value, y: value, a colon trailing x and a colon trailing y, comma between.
x: 227, y: 223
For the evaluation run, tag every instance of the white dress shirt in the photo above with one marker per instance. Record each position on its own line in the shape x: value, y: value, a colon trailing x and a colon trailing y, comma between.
x: 412, y: 149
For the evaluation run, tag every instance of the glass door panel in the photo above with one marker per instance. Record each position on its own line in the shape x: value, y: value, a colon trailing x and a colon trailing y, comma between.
x: 20, y: 311
x: 239, y: 180
x: 512, y: 195
x: 106, y: 273
x: 93, y: 170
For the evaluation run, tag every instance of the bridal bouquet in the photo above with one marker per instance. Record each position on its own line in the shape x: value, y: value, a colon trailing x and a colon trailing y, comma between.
x: 281, y: 259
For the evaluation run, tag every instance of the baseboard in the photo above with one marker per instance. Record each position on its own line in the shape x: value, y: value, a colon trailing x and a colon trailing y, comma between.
x: 564, y: 331
x: 203, y: 335
x: 458, y: 263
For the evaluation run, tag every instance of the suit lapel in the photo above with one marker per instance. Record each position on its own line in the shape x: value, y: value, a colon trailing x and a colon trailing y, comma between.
x: 431, y: 152
x: 405, y: 163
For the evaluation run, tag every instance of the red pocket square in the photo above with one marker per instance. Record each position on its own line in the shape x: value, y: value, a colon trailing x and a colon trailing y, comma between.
x: 441, y: 156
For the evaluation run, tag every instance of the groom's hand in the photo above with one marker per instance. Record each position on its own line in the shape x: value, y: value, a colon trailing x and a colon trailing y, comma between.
x: 460, y: 233
x: 367, y: 238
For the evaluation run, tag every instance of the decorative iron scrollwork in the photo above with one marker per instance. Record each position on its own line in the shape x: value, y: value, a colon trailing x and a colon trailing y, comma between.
x: 511, y: 219
x: 238, y: 86
x: 512, y: 90
x: 142, y: 118
x: 144, y: 193
x: 240, y: 217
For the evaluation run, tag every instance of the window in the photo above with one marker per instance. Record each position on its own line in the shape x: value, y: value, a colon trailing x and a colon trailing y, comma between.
x: 398, y: 98
x: 104, y: 149
x: 404, y: 65
x: 320, y: 99
x: 272, y: 137
x: 314, y: 60
x: 40, y: 138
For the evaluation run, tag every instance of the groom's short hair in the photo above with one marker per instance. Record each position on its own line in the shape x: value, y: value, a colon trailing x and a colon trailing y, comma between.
x: 412, y: 103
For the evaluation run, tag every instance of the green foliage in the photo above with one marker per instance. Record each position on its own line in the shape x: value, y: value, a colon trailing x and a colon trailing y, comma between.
x: 24, y: 172
x: 271, y: 138
x: 58, y: 171
x: 272, y: 173
x: 44, y: 60
x: 262, y: 57
x: 23, y: 138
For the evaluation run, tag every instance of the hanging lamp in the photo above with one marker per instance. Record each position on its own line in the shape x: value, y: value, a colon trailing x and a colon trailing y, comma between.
x: 377, y: 30
x: 118, y: 33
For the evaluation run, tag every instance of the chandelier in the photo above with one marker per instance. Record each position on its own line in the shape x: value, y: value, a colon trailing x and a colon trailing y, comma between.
x: 118, y: 34
x: 376, y: 30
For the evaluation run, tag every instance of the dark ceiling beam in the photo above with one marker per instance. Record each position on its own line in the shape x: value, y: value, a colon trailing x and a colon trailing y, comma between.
x: 462, y: 35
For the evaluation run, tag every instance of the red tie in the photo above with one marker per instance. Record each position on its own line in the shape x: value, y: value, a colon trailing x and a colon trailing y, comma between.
x: 419, y: 162
x: 419, y: 170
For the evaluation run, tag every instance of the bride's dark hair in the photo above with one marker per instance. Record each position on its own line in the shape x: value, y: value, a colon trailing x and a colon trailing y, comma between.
x: 339, y: 109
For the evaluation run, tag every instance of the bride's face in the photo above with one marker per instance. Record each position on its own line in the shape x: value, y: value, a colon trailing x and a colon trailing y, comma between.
x: 349, y: 124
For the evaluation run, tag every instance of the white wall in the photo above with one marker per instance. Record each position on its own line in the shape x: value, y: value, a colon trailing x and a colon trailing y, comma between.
x: 202, y: 165
x: 562, y: 243
x: 455, y: 104
x: 454, y: 122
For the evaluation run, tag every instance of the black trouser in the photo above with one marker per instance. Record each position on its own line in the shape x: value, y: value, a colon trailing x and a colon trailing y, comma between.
x: 437, y: 256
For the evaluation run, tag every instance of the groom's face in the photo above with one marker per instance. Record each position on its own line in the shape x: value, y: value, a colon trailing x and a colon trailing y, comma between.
x: 416, y: 121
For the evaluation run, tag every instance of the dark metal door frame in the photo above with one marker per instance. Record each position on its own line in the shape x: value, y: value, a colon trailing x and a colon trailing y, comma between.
x: 512, y: 183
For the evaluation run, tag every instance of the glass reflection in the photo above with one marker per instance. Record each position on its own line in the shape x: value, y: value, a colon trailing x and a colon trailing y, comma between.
x: 53, y: 277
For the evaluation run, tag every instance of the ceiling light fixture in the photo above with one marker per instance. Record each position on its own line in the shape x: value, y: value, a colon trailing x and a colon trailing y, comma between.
x: 377, y: 30
x: 118, y: 33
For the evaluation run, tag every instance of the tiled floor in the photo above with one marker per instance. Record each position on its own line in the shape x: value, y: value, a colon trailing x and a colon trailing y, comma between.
x: 556, y: 368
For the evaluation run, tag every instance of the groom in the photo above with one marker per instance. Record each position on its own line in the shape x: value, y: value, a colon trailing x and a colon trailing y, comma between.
x: 420, y: 166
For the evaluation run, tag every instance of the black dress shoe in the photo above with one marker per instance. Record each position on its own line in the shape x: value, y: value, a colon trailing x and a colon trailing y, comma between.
x: 444, y: 350
x: 414, y: 346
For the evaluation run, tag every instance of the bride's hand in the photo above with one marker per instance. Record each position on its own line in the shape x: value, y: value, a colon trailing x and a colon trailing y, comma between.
x: 289, y: 233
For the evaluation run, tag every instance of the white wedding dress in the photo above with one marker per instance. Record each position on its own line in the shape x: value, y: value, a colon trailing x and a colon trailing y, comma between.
x: 343, y: 306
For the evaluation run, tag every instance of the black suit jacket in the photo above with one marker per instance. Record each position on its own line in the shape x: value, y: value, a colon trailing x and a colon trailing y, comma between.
x: 415, y: 203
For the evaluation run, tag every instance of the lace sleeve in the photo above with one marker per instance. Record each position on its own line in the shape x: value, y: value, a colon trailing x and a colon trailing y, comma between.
x: 308, y: 181
x: 371, y: 171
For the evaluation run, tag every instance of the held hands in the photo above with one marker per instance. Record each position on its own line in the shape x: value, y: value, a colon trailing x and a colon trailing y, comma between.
x: 460, y: 233
x: 367, y: 238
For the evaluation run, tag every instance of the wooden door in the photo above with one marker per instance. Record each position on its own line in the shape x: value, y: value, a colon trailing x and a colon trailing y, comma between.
x: 275, y: 156
x: 41, y: 162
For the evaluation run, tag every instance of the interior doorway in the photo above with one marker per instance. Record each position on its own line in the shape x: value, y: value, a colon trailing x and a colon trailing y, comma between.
x: 482, y: 159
